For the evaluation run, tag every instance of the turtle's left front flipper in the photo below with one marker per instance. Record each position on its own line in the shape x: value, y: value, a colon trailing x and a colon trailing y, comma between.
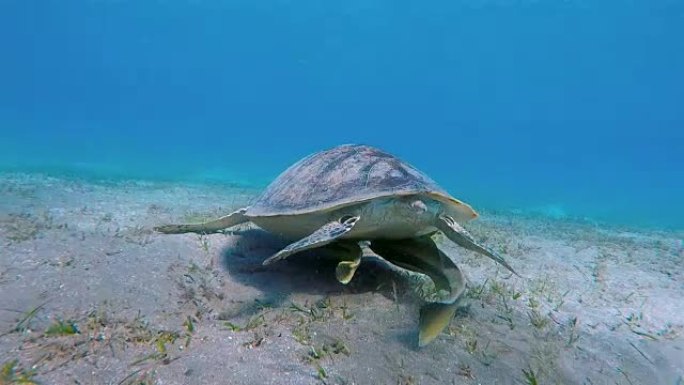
x: 321, y: 237
x: 462, y: 237
x: 423, y: 256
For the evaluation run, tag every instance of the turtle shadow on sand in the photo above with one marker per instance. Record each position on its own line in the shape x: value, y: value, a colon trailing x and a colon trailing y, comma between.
x: 310, y: 272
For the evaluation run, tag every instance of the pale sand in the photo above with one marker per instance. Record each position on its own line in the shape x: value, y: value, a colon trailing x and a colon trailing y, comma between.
x: 84, y: 252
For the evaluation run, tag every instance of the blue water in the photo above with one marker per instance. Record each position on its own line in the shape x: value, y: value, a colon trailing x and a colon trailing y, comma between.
x: 569, y: 108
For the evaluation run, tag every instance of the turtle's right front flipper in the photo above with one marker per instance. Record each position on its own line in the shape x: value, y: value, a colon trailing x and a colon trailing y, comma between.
x: 230, y: 220
x: 321, y: 237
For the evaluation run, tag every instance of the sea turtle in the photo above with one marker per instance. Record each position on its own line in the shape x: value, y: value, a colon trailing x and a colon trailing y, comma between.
x: 352, y: 194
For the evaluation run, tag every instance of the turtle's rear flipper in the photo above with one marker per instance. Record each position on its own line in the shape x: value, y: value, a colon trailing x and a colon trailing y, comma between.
x: 323, y: 236
x: 460, y: 236
x: 230, y: 220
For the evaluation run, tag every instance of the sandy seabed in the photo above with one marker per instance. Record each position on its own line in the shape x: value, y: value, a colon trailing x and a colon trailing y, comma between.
x: 89, y: 294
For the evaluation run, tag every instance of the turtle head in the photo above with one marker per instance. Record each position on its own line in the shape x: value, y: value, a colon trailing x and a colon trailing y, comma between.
x: 459, y: 211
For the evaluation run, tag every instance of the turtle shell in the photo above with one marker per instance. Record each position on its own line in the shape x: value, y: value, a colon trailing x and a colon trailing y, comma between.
x: 341, y: 176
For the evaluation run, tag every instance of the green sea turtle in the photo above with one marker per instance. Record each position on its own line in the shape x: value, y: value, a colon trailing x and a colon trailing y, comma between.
x: 350, y: 194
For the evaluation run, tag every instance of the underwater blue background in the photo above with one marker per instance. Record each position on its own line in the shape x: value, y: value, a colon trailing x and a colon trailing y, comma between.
x: 555, y: 107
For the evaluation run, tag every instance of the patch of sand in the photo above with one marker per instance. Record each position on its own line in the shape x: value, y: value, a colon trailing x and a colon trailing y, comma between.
x: 597, y: 304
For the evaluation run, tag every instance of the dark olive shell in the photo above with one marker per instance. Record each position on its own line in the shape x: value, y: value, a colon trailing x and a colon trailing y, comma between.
x: 338, y: 177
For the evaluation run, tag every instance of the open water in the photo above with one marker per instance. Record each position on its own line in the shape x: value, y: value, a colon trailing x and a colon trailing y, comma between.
x: 560, y: 108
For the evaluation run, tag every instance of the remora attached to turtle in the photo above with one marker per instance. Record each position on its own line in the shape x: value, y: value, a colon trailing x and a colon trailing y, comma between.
x: 353, y: 193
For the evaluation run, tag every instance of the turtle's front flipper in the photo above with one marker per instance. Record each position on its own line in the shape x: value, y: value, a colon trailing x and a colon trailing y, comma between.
x: 230, y: 220
x: 423, y: 256
x: 460, y: 236
x: 323, y: 236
